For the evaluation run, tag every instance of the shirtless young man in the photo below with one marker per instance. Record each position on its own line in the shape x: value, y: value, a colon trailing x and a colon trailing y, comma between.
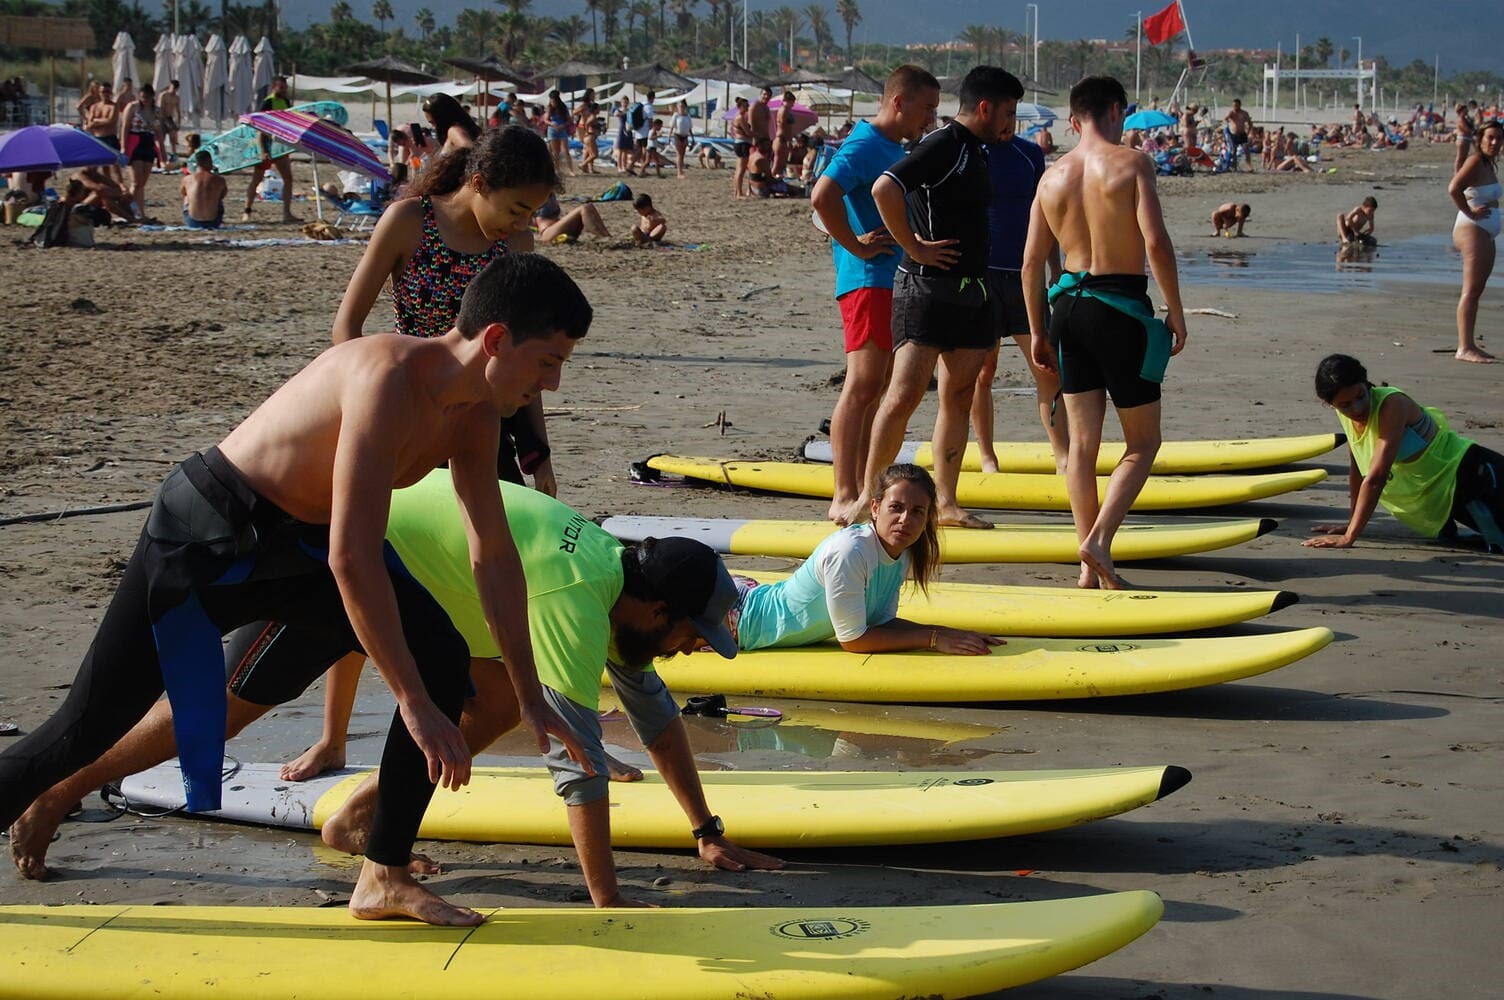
x: 104, y: 192
x: 285, y: 519
x: 102, y: 121
x: 865, y: 262
x: 1098, y: 205
x: 170, y: 104
x: 934, y: 204
x: 1229, y: 215
x: 203, y: 194
x: 592, y: 604
x: 761, y: 118
x: 1356, y: 226
x: 1237, y: 125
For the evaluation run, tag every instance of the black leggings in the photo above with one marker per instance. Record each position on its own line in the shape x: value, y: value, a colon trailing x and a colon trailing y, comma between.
x: 213, y: 557
x: 1479, y: 500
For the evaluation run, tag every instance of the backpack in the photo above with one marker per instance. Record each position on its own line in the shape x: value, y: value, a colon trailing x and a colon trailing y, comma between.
x: 636, y: 115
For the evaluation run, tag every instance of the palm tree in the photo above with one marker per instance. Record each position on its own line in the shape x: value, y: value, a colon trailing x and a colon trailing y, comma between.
x: 593, y: 6
x: 789, y: 21
x: 1324, y: 50
x: 610, y: 11
x: 515, y: 6
x: 513, y: 28
x: 477, y: 27
x: 426, y: 22
x: 819, y: 26
x: 683, y: 14
x: 340, y: 11
x: 851, y: 16
x: 568, y: 31
x: 979, y: 37
x: 381, y: 10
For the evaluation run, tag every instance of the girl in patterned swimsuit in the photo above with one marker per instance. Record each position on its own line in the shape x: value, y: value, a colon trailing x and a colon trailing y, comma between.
x: 467, y: 208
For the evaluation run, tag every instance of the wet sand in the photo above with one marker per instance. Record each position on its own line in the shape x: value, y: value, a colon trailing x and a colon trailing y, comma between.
x: 1342, y: 835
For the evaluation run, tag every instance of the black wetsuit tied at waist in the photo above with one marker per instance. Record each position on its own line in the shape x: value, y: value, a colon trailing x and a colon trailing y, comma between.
x: 214, y: 556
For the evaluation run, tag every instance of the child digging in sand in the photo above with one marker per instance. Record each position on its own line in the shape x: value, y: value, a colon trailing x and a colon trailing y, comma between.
x: 651, y: 223
x: 1357, y: 225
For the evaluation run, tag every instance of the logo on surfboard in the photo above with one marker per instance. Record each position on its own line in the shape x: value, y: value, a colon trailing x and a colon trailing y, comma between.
x: 829, y: 929
x: 1107, y: 647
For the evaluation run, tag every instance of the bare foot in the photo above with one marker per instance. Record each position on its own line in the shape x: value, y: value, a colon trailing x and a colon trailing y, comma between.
x: 313, y: 762
x: 1477, y: 356
x: 962, y: 519
x: 1088, y: 578
x: 839, y: 506
x: 621, y: 771
x: 245, y: 216
x: 349, y: 830
x: 382, y: 892
x: 1100, y: 563
x: 30, y: 836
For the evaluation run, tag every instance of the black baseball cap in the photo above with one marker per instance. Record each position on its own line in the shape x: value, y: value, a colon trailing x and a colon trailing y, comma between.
x: 691, y: 579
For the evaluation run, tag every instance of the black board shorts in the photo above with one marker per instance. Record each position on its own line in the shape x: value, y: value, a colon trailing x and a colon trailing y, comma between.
x: 1098, y: 347
x: 945, y: 313
x: 1005, y: 298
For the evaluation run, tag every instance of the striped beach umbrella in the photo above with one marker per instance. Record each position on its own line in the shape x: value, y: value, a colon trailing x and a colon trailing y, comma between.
x: 318, y: 138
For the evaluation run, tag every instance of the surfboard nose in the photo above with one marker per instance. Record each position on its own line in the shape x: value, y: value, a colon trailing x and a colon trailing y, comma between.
x: 1174, y: 779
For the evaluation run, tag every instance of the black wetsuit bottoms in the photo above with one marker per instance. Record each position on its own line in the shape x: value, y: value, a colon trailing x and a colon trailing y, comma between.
x: 215, y: 556
x: 1100, y: 347
x: 1479, y: 499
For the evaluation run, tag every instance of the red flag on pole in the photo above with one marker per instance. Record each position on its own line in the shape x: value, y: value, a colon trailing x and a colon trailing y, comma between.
x: 1160, y: 28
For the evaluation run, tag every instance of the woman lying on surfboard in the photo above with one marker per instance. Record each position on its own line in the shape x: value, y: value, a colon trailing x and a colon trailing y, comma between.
x: 1405, y: 457
x: 847, y: 590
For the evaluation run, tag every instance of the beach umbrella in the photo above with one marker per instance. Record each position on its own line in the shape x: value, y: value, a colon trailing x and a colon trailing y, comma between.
x: 216, y: 79
x: 802, y: 75
x: 729, y: 72
x: 318, y: 137
x: 855, y: 80
x: 242, y: 92
x: 656, y: 77
x: 161, y: 71
x: 51, y: 147
x: 389, y: 70
x: 123, y: 62
x: 1145, y: 120
x: 188, y: 70
x: 262, y: 71
x: 573, y: 67
x: 1028, y: 112
x: 492, y: 70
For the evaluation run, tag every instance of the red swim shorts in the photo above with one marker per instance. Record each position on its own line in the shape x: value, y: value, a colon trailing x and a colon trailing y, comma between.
x: 867, y: 318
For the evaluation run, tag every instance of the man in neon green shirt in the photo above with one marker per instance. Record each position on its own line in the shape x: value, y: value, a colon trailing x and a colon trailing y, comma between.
x: 591, y: 603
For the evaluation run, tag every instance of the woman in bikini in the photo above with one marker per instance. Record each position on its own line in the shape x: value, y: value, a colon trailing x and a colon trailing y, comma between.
x: 1475, y: 190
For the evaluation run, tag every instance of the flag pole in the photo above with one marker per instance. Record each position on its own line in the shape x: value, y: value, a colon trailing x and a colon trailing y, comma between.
x: 1138, y: 58
x: 1185, y: 75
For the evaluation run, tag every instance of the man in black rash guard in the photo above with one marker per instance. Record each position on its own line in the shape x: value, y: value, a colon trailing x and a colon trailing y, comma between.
x: 934, y: 203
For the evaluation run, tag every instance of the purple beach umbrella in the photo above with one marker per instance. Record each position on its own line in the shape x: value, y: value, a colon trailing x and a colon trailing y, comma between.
x: 51, y: 147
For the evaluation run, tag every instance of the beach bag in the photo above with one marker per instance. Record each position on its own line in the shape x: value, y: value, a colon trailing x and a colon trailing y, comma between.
x: 616, y: 192
x: 53, y: 232
x: 637, y: 115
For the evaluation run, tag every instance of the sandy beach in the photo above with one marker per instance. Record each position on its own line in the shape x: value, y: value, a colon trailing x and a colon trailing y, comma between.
x: 1342, y: 835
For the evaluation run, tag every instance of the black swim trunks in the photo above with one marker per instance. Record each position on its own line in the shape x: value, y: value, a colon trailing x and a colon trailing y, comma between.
x: 945, y: 313
x: 1099, y: 347
x: 1005, y: 296
x: 743, y: 150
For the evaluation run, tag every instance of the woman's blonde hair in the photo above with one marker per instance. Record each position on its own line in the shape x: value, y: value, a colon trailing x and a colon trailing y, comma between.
x: 924, y: 554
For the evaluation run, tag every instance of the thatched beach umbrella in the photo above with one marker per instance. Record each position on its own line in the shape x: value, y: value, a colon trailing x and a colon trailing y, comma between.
x: 729, y: 72
x: 801, y: 76
x: 572, y: 68
x: 655, y: 76
x: 390, y: 70
x: 855, y: 80
x: 491, y: 70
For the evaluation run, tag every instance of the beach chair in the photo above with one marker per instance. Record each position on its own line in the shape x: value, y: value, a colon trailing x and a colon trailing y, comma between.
x: 356, y: 214
x: 382, y: 129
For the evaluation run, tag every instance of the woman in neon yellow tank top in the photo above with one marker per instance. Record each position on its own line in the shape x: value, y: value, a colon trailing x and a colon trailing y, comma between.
x: 1406, y: 457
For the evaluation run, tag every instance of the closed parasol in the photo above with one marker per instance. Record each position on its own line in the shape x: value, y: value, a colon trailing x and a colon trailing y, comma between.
x: 242, y: 90
x: 123, y: 60
x: 161, y: 71
x: 216, y: 79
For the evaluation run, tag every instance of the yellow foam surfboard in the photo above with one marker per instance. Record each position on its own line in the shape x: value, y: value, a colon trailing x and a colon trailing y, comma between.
x: 1069, y: 612
x: 1005, y: 543
x: 770, y: 809
x: 831, y: 952
x: 1174, y: 457
x: 1022, y: 670
x: 999, y: 490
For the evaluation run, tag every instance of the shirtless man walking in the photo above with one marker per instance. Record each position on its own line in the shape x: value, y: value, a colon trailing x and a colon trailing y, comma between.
x: 170, y: 106
x: 1237, y: 126
x: 1098, y: 205
x: 285, y: 520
